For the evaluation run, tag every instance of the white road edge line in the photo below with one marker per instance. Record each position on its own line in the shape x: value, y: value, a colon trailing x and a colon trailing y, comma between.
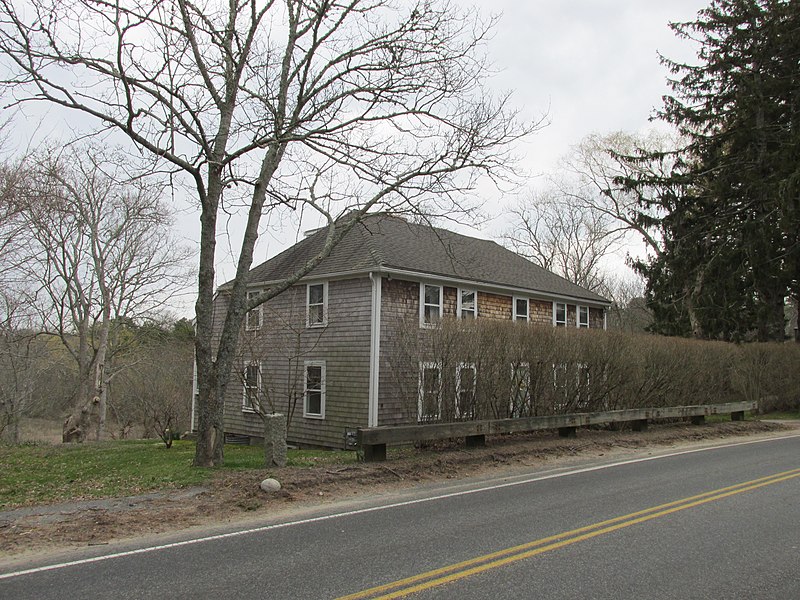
x: 361, y: 511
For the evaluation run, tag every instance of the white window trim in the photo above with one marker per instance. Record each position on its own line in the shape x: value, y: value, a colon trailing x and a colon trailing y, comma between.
x: 323, y: 389
x: 259, y: 308
x: 324, y: 322
x: 461, y: 367
x: 555, y: 312
x: 460, y: 305
x: 422, y: 304
x: 421, y: 389
x: 578, y: 317
x: 515, y: 315
x: 246, y: 406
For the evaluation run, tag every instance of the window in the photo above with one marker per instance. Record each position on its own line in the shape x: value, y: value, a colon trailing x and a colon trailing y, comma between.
x: 520, y: 402
x: 430, y: 304
x: 467, y: 304
x: 430, y: 392
x: 314, y: 389
x: 251, y: 379
x: 559, y: 314
x: 317, y: 304
x: 253, y: 317
x: 521, y: 309
x: 465, y: 391
x: 583, y: 316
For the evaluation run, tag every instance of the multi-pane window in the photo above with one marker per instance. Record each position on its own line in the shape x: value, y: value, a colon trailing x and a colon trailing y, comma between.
x: 251, y: 399
x: 465, y: 391
x: 583, y: 316
x: 314, y: 390
x: 430, y: 304
x: 559, y: 314
x: 520, y: 401
x: 316, y: 297
x: 467, y: 304
x: 253, y: 317
x: 521, y: 309
x: 430, y: 392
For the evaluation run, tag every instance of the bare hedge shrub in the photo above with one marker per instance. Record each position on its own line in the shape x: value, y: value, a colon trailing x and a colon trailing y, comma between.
x: 490, y: 369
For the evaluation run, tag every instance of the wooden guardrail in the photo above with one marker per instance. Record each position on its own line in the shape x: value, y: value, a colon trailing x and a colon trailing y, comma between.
x: 373, y: 440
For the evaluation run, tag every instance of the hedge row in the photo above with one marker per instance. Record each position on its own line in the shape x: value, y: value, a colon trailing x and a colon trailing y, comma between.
x: 496, y: 369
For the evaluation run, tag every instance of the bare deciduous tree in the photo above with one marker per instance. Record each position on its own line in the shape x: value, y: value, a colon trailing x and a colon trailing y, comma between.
x: 101, y: 252
x: 322, y: 105
x: 566, y: 238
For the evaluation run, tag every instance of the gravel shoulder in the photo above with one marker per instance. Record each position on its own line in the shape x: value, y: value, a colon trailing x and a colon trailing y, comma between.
x: 236, y: 497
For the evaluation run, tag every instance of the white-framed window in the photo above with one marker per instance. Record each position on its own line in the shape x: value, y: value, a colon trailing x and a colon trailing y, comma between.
x: 520, y: 400
x: 317, y: 304
x: 314, y: 389
x: 522, y: 309
x: 559, y: 314
x: 583, y: 316
x: 430, y: 304
x: 467, y: 304
x: 429, y: 407
x: 253, y: 317
x: 466, y: 381
x: 251, y: 384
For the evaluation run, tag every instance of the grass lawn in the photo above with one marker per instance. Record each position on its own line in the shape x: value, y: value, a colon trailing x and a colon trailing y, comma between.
x: 46, y: 473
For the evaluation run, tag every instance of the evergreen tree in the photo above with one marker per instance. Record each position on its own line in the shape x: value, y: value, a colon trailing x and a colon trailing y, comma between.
x: 731, y: 227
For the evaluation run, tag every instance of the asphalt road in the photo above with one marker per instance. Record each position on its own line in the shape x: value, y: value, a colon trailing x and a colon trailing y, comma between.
x: 716, y: 523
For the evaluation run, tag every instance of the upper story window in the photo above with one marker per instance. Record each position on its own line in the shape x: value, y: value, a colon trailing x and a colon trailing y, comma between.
x: 253, y: 317
x: 467, y: 304
x: 522, y: 307
x: 314, y: 389
x: 430, y: 304
x: 583, y: 316
x: 559, y: 314
x: 317, y: 304
x: 251, y: 380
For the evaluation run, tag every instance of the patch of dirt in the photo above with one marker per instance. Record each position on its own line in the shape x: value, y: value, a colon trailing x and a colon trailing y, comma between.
x: 236, y: 496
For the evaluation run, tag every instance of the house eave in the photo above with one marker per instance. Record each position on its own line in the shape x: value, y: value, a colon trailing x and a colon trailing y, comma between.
x: 485, y: 286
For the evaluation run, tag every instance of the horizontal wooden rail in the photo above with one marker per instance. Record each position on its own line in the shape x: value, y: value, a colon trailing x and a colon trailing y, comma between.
x: 373, y: 440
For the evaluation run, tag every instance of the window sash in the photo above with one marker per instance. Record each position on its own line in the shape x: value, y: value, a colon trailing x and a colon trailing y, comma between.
x: 315, y: 304
x: 314, y: 390
x: 430, y: 392
x: 468, y: 304
x: 251, y: 385
x: 253, y: 317
x: 431, y: 297
x: 466, y: 386
x: 583, y: 316
x: 522, y: 309
x: 560, y: 314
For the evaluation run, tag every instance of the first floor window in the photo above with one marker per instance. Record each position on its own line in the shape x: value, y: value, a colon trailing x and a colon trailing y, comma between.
x: 430, y: 304
x: 316, y: 296
x: 521, y: 309
x: 583, y: 316
x: 430, y: 392
x: 252, y: 387
x: 559, y: 314
x: 465, y: 391
x: 468, y: 304
x: 253, y: 317
x: 520, y: 390
x: 314, y: 391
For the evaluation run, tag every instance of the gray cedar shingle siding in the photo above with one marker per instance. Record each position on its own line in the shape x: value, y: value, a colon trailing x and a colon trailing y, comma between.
x: 283, y: 344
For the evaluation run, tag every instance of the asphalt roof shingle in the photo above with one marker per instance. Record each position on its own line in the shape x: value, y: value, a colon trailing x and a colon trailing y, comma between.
x: 386, y: 242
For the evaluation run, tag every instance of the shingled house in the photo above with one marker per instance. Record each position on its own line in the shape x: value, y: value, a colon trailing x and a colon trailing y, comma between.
x: 320, y: 351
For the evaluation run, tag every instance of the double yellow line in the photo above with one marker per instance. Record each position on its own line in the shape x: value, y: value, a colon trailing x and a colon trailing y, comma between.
x: 480, y: 564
